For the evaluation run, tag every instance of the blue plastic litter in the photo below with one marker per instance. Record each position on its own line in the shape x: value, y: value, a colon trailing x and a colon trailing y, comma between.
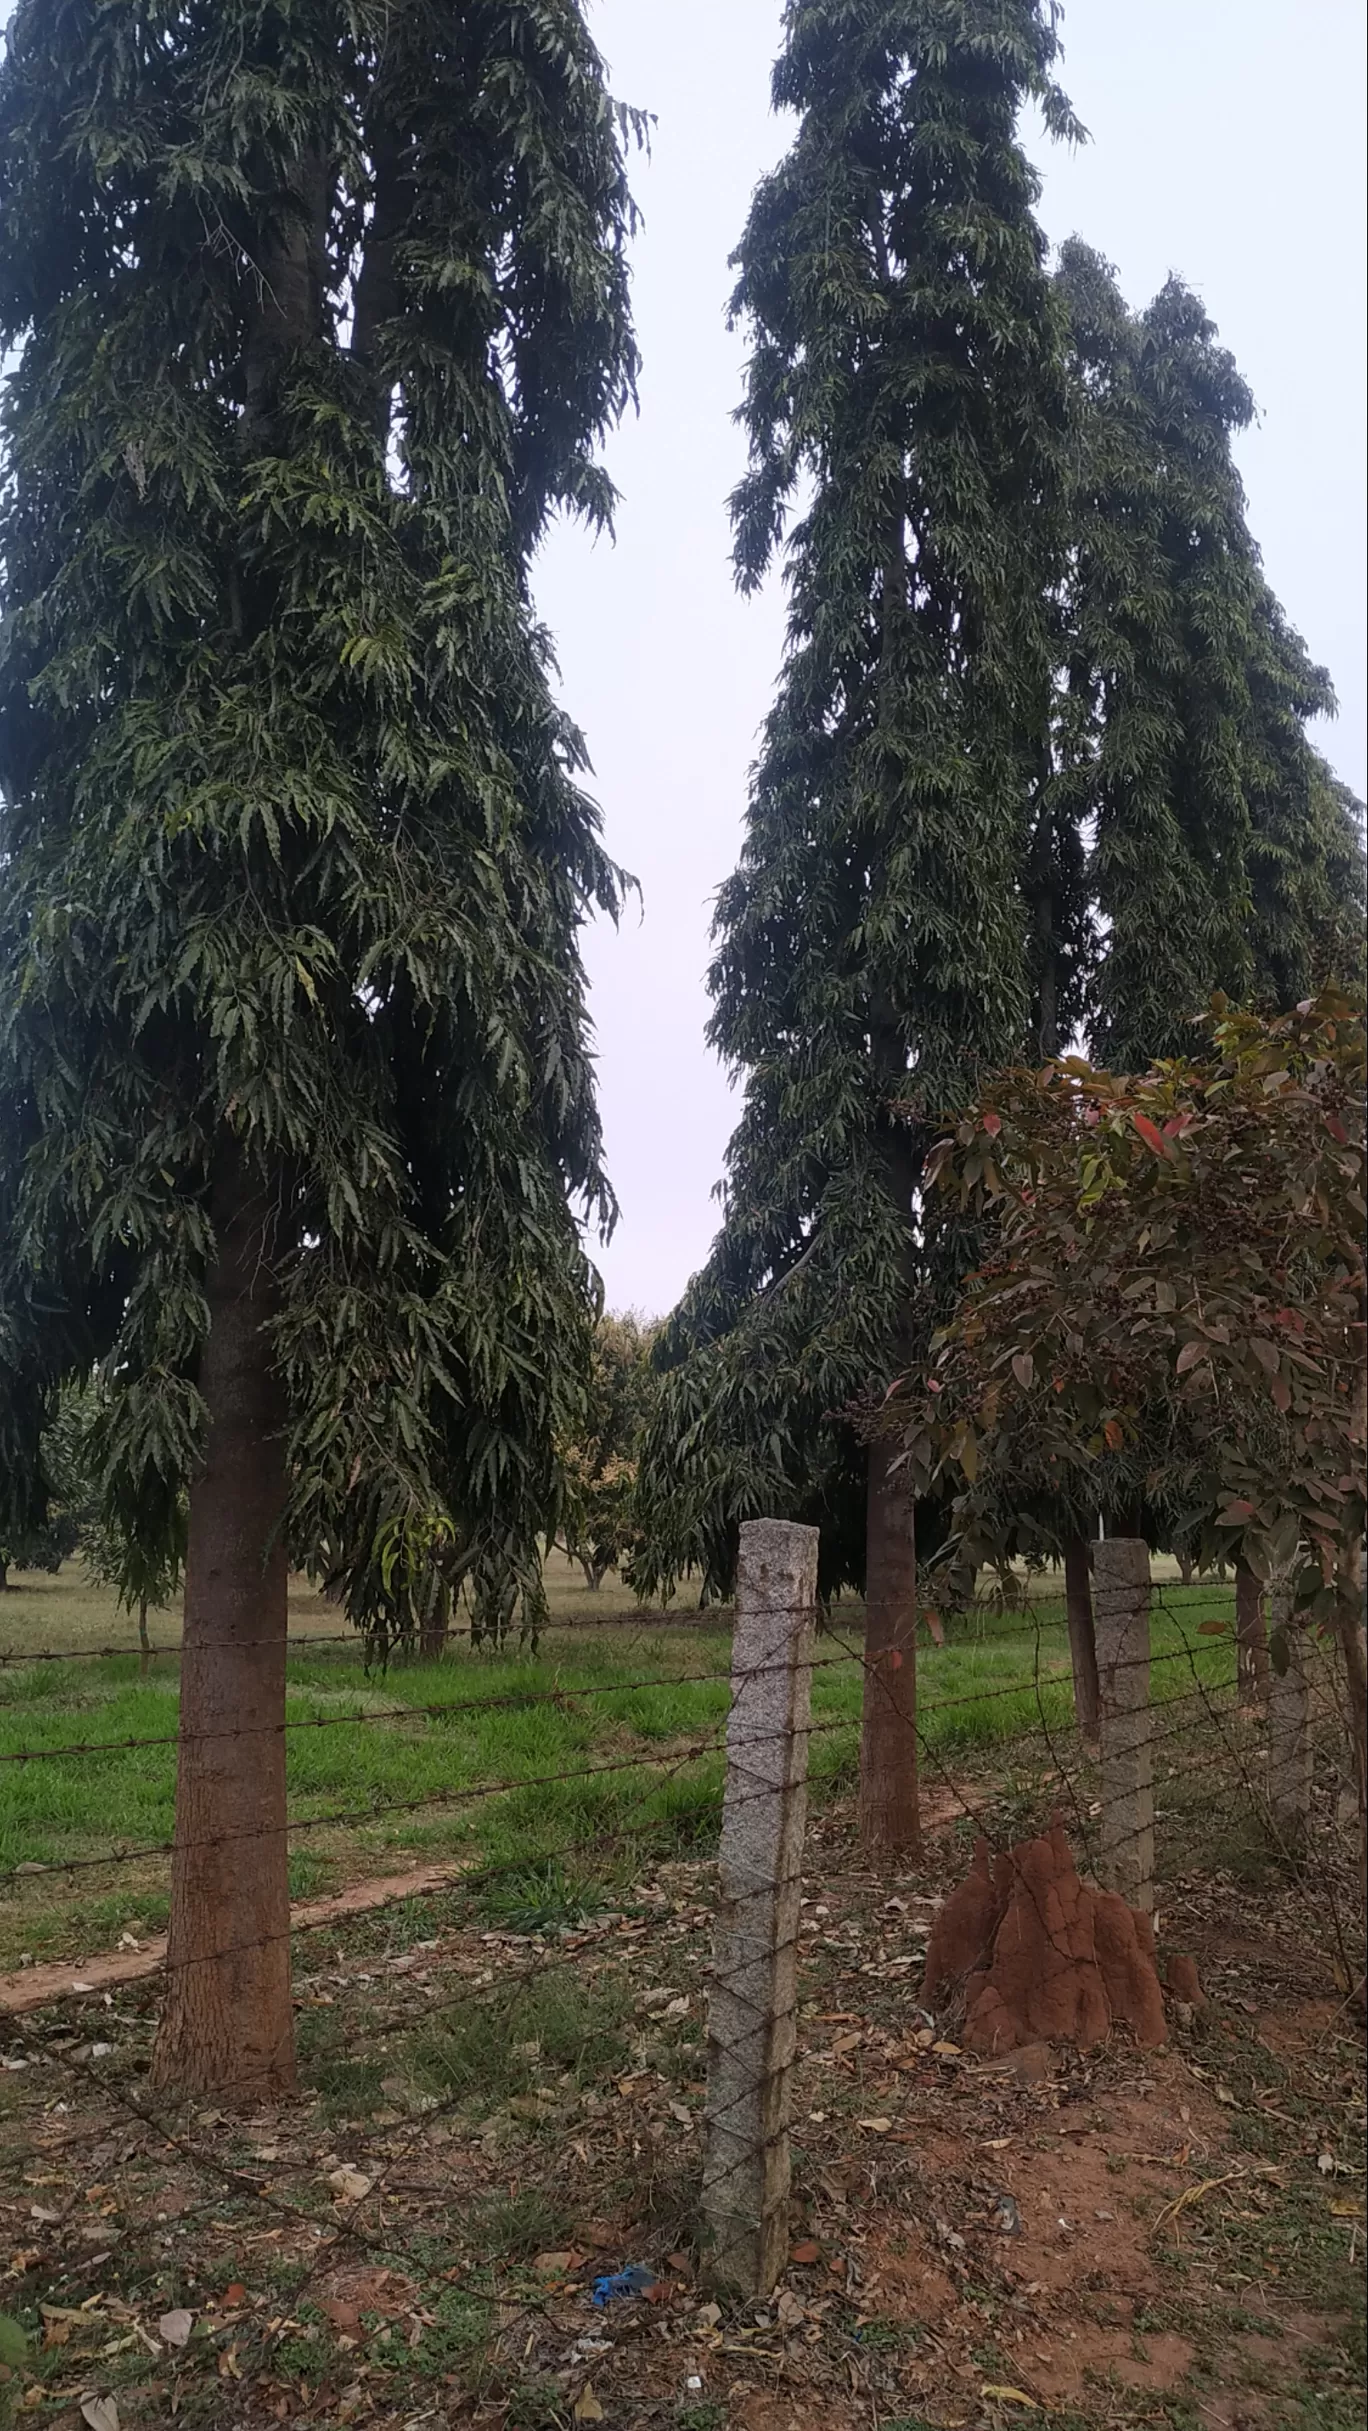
x: 634, y: 2281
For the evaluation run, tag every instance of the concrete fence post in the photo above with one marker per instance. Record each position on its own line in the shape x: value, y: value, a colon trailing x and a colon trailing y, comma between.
x: 1121, y: 1609
x: 1289, y: 1729
x: 752, y: 2020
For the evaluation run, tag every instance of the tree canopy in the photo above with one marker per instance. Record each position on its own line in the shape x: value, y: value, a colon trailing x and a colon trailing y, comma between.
x: 320, y: 310
x: 1214, y: 848
x: 907, y: 415
x: 599, y: 1526
x: 1176, y: 1277
x: 1037, y: 770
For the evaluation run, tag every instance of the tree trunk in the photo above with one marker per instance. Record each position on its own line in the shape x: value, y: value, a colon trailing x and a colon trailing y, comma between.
x: 1351, y: 1634
x: 4, y: 1578
x: 144, y: 1642
x: 228, y: 2026
x: 1349, y: 1630
x: 889, y: 1817
x: 1186, y: 1568
x: 1251, y: 1640
x: 1082, y: 1642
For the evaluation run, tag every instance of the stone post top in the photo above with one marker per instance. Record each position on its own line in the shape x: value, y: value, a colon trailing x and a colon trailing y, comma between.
x: 1121, y: 1561
x: 777, y: 1536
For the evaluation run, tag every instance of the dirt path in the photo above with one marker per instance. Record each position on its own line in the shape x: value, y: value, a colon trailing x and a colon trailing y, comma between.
x: 35, y: 1987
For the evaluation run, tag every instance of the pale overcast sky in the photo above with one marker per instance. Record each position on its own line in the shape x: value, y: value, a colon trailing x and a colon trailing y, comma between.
x: 1227, y: 144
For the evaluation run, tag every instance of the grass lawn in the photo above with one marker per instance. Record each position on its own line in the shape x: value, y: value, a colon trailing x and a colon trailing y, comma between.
x: 527, y: 1762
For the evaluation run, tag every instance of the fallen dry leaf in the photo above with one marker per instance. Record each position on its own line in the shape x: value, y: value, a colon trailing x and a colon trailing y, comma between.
x: 174, y: 2328
x: 808, y: 2251
x: 876, y: 2127
x: 1008, y: 2397
x: 350, y: 2184
x: 101, y: 2413
x: 586, y: 2408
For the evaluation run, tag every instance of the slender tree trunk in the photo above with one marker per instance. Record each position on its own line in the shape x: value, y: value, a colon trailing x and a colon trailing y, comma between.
x: 1186, y: 1568
x: 1082, y: 1642
x: 4, y: 1578
x: 144, y: 1642
x: 889, y: 1817
x: 228, y: 2026
x: 1350, y: 1630
x: 1251, y: 1640
x: 436, y: 1625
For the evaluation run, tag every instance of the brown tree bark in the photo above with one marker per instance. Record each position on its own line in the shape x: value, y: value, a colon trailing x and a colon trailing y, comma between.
x: 144, y: 1641
x: 1350, y: 1628
x: 227, y: 2026
x: 436, y: 1627
x: 1251, y: 1639
x: 1082, y: 1642
x: 889, y: 1817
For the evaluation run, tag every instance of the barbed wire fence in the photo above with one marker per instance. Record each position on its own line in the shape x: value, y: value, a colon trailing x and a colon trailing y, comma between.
x: 1186, y: 1762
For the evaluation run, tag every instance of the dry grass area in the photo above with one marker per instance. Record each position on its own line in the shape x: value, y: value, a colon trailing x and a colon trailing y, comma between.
x: 43, y: 1612
x: 502, y: 2098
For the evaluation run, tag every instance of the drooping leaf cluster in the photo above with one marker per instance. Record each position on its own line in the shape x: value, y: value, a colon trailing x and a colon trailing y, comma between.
x: 1176, y: 1281
x: 1037, y: 767
x: 320, y: 314
x: 1217, y: 850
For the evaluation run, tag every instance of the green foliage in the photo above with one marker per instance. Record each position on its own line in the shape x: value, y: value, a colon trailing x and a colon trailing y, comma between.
x: 319, y: 310
x: 43, y: 1546
x: 16, y: 2352
x: 906, y: 406
x: 1037, y: 767
x: 45, y: 1541
x: 599, y: 1461
x: 1177, y: 1272
x: 1224, y: 854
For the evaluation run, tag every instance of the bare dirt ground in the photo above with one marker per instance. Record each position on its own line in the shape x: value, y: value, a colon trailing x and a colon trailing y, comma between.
x: 1173, y: 2238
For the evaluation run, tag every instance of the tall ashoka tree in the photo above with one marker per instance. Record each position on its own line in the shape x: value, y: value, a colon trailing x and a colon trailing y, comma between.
x: 1037, y: 771
x: 1222, y: 854
x: 905, y: 407
x: 320, y: 313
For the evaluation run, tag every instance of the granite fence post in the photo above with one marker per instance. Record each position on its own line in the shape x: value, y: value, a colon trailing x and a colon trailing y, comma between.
x: 1121, y: 1609
x: 752, y: 2022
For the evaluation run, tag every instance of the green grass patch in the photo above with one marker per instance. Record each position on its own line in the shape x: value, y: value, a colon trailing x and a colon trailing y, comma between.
x: 504, y: 2043
x: 535, y: 1765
